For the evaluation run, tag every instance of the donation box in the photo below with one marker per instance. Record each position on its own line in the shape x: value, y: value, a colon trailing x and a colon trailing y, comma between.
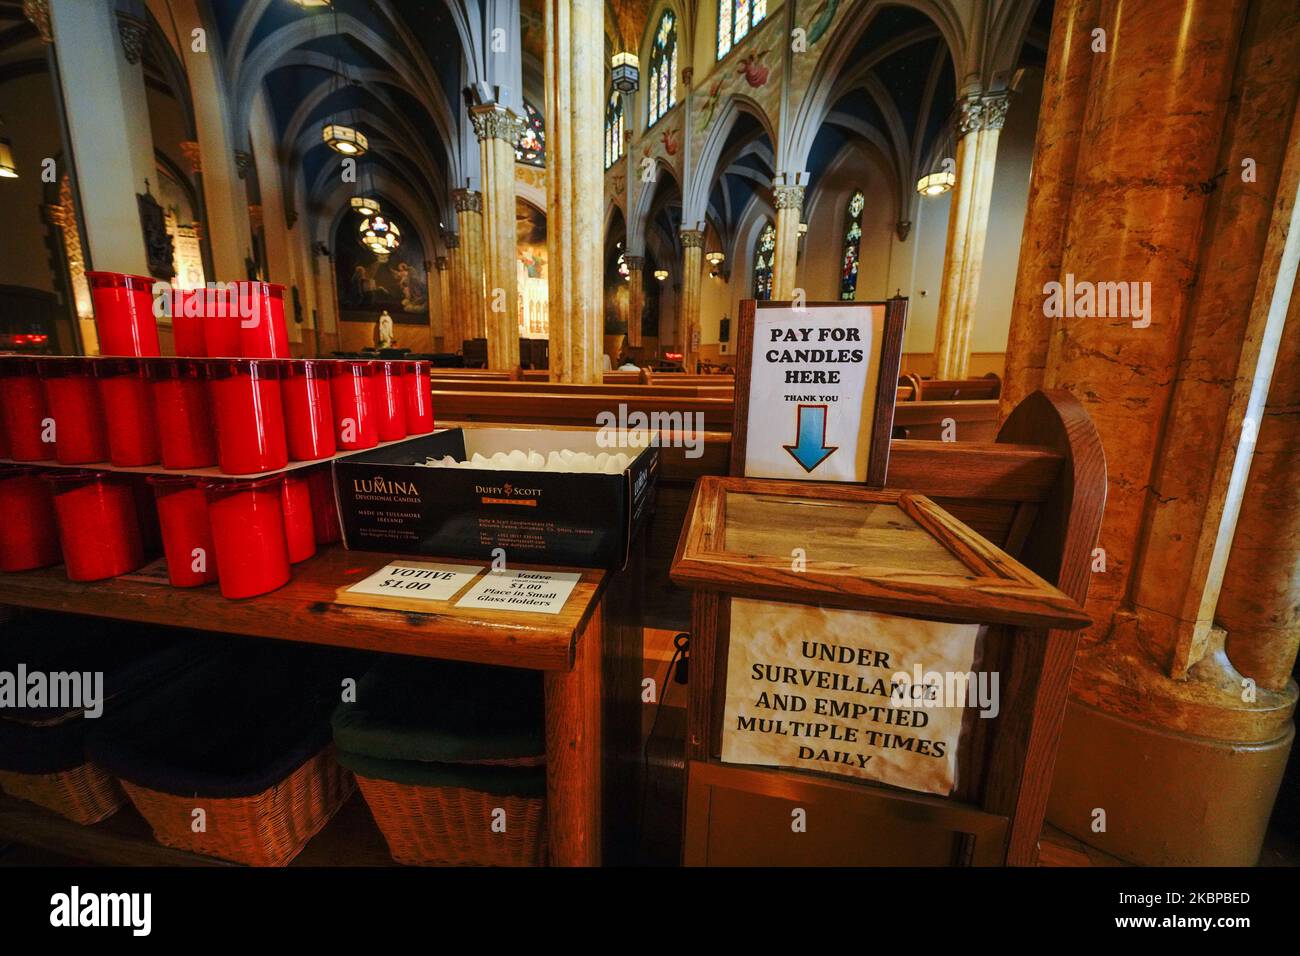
x: 860, y: 660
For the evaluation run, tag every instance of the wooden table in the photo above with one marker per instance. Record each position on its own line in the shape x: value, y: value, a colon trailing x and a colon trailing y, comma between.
x: 589, y: 654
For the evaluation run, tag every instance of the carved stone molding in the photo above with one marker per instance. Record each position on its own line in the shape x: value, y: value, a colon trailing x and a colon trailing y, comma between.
x: 788, y: 197
x: 132, y: 32
x: 194, y: 153
x: 441, y: 263
x: 467, y: 200
x: 492, y: 121
x: 452, y: 240
x: 38, y: 12
x: 981, y: 111
x: 902, y: 228
x: 692, y: 238
x: 243, y: 161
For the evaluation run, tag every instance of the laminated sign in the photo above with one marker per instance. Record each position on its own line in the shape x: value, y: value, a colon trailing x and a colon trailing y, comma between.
x: 846, y: 692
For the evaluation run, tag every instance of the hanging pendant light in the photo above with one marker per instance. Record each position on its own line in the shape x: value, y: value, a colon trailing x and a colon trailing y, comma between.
x: 343, y: 138
x: 935, y: 184
x: 8, y: 168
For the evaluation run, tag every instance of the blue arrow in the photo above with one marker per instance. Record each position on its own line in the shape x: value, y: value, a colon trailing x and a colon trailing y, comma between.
x: 811, y: 448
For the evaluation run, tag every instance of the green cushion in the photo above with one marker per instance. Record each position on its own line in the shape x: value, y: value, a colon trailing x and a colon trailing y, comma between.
x: 497, y: 780
x: 443, y: 712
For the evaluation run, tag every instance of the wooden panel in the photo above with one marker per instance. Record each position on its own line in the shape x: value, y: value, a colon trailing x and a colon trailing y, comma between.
x: 549, y: 408
x: 574, y: 804
x: 304, y: 610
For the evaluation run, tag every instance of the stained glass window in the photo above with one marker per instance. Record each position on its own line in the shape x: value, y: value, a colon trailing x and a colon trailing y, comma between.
x: 530, y: 147
x: 764, y: 252
x: 735, y: 19
x: 663, y: 69
x: 852, y: 246
x: 614, y: 145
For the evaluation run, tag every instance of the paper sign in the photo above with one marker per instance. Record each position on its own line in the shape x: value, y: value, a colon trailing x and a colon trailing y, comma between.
x: 421, y: 580
x: 542, y: 592
x: 852, y: 693
x: 812, y: 391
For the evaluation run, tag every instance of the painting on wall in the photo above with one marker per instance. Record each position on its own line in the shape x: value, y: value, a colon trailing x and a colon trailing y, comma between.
x: 370, y: 284
x: 534, y: 297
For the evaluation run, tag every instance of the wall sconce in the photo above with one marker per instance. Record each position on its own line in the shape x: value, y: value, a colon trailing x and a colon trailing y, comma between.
x: 715, y: 260
x: 661, y: 274
x: 935, y: 184
x: 803, y: 229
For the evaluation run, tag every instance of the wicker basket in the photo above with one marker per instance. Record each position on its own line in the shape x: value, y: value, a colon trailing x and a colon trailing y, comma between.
x: 267, y: 829
x: 452, y: 826
x: 84, y: 794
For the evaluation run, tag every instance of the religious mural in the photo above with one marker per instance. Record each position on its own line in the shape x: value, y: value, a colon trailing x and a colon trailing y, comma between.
x: 370, y: 284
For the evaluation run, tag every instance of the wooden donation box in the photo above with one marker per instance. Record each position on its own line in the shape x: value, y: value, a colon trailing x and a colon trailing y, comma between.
x: 860, y: 667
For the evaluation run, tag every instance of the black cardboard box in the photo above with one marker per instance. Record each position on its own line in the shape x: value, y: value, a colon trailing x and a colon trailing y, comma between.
x: 387, y: 502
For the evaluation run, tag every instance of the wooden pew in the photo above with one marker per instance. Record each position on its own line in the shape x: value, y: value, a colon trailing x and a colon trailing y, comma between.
x: 561, y: 408
x: 926, y: 420
x: 946, y: 390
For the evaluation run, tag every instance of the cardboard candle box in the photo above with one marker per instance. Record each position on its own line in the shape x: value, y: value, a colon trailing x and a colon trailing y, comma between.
x: 390, y: 501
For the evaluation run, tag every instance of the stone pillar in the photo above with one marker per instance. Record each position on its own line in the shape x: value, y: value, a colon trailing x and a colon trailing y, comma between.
x: 469, y: 214
x: 688, y: 329
x: 1166, y: 317
x: 454, y: 326
x: 1066, y: 82
x: 979, y: 123
x: 107, y: 116
x: 789, y: 213
x: 575, y: 124
x: 635, y: 298
x: 444, y: 304
x: 497, y: 128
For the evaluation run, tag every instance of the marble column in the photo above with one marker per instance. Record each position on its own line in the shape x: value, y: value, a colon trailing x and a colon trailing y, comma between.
x: 469, y: 214
x: 789, y: 213
x: 635, y: 298
x: 688, y: 329
x: 979, y: 123
x: 497, y: 128
x: 1066, y: 81
x: 454, y: 327
x: 1166, y: 323
x: 443, y: 328
x: 575, y: 122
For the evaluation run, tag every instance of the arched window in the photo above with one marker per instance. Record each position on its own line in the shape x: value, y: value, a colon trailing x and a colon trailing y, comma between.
x: 613, y: 129
x: 735, y: 19
x: 764, y: 252
x: 663, y: 69
x: 530, y: 147
x: 852, y: 246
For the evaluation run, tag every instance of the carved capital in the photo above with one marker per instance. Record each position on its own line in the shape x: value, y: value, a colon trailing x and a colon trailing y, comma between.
x: 492, y: 121
x: 467, y: 200
x: 132, y: 31
x: 902, y: 228
x: 441, y: 263
x: 452, y: 240
x: 38, y: 12
x: 981, y: 111
x: 636, y: 263
x: 243, y: 161
x: 789, y: 197
x: 692, y: 238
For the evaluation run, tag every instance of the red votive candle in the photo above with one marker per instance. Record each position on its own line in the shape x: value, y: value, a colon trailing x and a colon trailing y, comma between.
x: 128, y: 411
x: 186, y: 533
x: 299, y: 521
x: 356, y: 423
x: 324, y: 507
x: 29, y: 535
x: 248, y: 413
x: 98, y: 528
x: 247, y: 521
x: 419, y: 398
x: 22, y: 410
x: 221, y: 311
x: 262, y: 332
x: 124, y: 315
x: 188, y: 339
x: 180, y: 397
x: 308, y: 410
x: 390, y: 400
x: 73, y: 403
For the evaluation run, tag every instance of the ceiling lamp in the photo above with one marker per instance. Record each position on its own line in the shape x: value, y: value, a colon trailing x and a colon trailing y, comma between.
x: 347, y: 140
x: 312, y: 3
x: 935, y: 184
x: 661, y: 274
x: 365, y: 206
x: 715, y: 259
x: 627, y: 72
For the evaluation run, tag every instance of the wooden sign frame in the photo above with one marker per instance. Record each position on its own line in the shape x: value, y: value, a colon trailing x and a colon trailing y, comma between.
x: 891, y: 356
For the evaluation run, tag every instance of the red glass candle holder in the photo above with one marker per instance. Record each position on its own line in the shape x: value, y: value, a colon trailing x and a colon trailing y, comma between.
x: 98, y: 527
x: 262, y: 332
x: 390, y: 399
x: 308, y: 410
x: 72, y: 400
x: 127, y: 402
x: 186, y: 438
x: 124, y: 314
x: 419, y: 398
x: 299, y: 520
x: 356, y: 424
x: 247, y: 520
x: 188, y: 339
x: 23, y: 410
x: 248, y: 411
x: 186, y: 533
x: 29, y: 534
x: 324, y: 506
x: 221, y: 322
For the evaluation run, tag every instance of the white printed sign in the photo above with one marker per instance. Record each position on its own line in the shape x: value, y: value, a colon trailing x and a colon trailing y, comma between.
x: 541, y: 592
x: 812, y: 391
x: 421, y: 580
x: 853, y: 693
